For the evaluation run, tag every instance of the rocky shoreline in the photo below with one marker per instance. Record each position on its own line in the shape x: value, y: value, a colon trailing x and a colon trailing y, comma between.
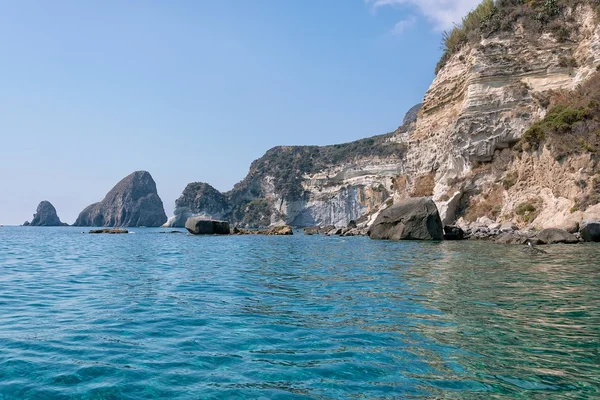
x: 505, y: 234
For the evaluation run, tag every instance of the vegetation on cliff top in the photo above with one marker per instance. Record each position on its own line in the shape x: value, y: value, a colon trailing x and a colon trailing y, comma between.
x: 287, y: 164
x: 499, y: 16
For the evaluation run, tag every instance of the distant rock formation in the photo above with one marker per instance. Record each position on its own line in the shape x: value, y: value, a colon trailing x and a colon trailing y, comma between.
x: 305, y: 185
x: 133, y: 201
x: 45, y: 215
x: 199, y: 199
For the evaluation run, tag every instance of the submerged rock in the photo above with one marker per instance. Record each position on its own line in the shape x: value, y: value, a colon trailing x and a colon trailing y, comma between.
x: 133, y: 201
x: 313, y: 230
x: 273, y: 231
x: 453, y: 233
x: 531, y: 249
x: 555, y: 235
x: 203, y: 226
x: 413, y: 218
x: 109, y: 231
x: 45, y: 215
x: 590, y: 230
x: 279, y: 231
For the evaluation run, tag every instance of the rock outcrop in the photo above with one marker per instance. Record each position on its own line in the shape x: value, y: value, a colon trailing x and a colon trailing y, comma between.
x: 199, y: 199
x: 45, y: 215
x: 480, y: 105
x: 281, y: 230
x: 305, y: 185
x: 203, y: 226
x: 555, y: 235
x: 110, y: 231
x: 590, y: 231
x: 412, y: 219
x: 133, y: 201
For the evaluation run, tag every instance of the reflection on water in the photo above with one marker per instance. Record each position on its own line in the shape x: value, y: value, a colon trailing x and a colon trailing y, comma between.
x: 173, y: 316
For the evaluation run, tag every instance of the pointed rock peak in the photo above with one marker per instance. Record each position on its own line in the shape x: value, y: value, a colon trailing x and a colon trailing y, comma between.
x: 133, y: 201
x: 45, y: 215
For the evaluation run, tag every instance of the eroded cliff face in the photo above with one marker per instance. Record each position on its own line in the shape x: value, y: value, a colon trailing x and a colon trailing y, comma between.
x: 458, y: 147
x: 133, y: 201
x: 482, y: 102
x: 307, y: 185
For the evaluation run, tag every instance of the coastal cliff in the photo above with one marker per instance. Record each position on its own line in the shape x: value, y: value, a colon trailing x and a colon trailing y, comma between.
x: 473, y: 133
x: 305, y: 185
x: 133, y: 201
x: 508, y: 131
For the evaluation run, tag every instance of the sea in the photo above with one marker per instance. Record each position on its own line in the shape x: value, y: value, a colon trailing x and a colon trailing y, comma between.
x: 154, y: 315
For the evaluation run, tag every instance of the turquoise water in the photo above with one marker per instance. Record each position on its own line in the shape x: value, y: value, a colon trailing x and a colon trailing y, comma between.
x: 169, y: 316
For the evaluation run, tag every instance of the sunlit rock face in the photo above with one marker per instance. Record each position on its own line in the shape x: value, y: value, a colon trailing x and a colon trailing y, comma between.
x: 456, y: 147
x: 134, y: 201
x: 482, y: 102
x: 45, y: 215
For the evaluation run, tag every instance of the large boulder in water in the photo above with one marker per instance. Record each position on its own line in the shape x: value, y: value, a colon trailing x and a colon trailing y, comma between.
x: 414, y: 218
x: 45, y: 215
x: 590, y: 230
x: 133, y: 201
x: 203, y: 226
x: 555, y: 235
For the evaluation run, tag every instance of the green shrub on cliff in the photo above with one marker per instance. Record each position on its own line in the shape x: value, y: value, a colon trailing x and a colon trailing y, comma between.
x: 287, y: 164
x: 491, y: 17
x: 571, y: 124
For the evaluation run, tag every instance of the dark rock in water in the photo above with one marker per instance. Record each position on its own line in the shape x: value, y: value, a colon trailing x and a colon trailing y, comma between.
x: 26, y: 223
x: 555, y: 235
x: 335, y: 231
x: 133, y: 201
x: 45, y: 215
x: 203, y: 226
x: 512, y: 238
x: 590, y: 230
x: 273, y: 231
x: 109, y: 231
x: 453, y: 233
x: 414, y: 218
x: 531, y: 249
x: 313, y: 230
x: 351, y: 225
x: 172, y: 232
x: 355, y: 232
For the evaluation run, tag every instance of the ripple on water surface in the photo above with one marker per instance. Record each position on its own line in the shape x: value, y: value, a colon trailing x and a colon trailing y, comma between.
x: 159, y: 316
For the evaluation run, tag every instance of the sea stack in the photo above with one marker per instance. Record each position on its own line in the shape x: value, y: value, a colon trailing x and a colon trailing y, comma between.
x: 199, y: 199
x: 45, y: 215
x: 133, y: 201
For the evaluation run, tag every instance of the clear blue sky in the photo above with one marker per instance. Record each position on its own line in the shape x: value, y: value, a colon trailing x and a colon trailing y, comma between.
x: 91, y: 91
